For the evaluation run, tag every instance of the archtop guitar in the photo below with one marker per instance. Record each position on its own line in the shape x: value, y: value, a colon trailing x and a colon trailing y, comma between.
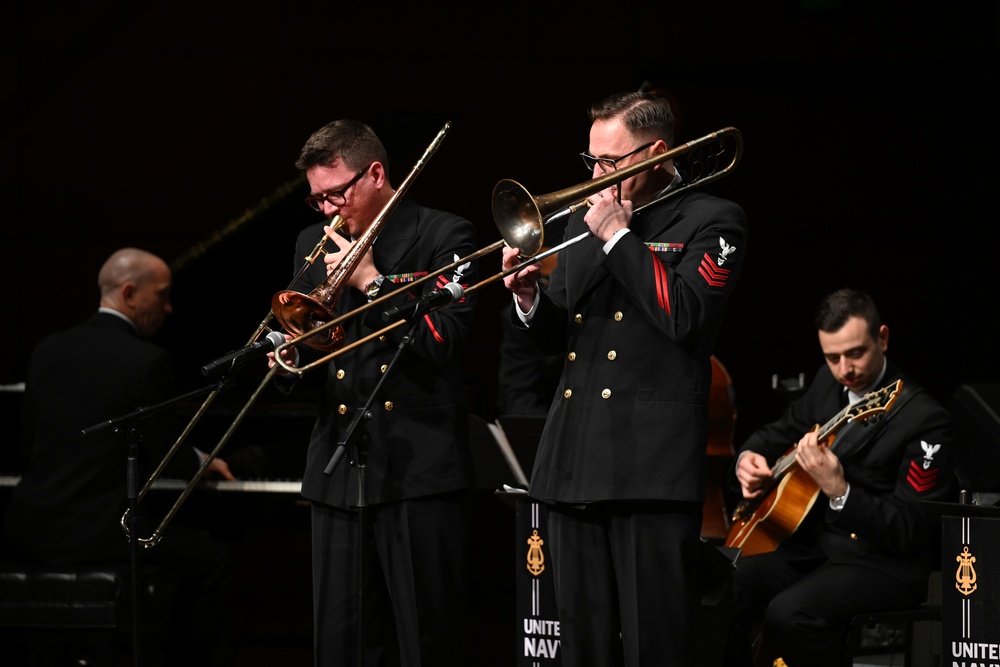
x: 760, y: 524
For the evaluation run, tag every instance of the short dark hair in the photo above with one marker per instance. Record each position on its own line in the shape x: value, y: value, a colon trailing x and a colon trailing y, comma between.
x: 353, y: 142
x: 835, y: 309
x: 645, y: 114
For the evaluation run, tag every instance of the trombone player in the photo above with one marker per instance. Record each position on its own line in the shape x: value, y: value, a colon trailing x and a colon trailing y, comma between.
x: 635, y: 309
x: 419, y: 466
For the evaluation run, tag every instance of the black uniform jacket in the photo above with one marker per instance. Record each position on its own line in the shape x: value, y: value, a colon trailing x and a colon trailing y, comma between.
x: 629, y: 417
x: 70, y: 501
x: 419, y: 429
x: 903, y: 460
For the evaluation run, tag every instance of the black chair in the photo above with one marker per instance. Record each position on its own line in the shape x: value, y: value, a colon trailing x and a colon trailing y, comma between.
x: 77, y: 615
x: 916, y: 632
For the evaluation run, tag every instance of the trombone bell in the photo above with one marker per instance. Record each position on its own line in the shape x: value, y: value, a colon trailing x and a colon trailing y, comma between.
x: 518, y: 217
x: 300, y: 313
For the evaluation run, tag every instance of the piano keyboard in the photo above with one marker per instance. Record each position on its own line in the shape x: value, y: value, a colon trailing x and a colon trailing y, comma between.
x: 221, y: 485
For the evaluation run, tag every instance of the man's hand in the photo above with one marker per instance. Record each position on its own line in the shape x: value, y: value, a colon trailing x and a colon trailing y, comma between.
x: 821, y: 464
x: 219, y: 469
x: 289, y: 355
x: 752, y: 472
x: 216, y: 467
x: 606, y: 216
x: 522, y: 283
x: 364, y: 272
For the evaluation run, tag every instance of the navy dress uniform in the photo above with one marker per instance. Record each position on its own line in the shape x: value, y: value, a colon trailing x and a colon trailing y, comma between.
x: 623, y: 452
x: 418, y: 466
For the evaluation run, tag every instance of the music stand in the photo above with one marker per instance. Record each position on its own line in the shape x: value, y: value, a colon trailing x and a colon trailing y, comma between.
x: 939, y: 510
x: 974, y: 413
x: 492, y: 468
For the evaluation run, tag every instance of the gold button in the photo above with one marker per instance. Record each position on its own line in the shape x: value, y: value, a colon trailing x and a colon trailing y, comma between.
x: 612, y: 354
x: 854, y: 536
x: 342, y: 409
x: 571, y: 356
x: 567, y: 393
x: 618, y: 316
x: 383, y: 367
x: 388, y: 405
x: 340, y: 374
x: 381, y: 338
x: 606, y: 393
x: 578, y: 318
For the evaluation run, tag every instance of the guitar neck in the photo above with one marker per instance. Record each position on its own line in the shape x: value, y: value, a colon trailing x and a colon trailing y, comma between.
x: 787, y: 460
x: 822, y: 433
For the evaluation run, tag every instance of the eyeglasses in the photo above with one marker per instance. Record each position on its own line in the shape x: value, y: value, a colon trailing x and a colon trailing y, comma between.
x: 608, y: 164
x: 337, y: 197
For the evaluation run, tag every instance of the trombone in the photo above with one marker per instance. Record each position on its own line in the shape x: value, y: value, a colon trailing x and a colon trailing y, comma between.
x: 320, y: 248
x: 521, y: 219
x: 278, y: 311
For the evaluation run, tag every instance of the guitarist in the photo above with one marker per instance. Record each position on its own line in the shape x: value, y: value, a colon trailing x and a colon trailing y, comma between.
x: 866, y: 544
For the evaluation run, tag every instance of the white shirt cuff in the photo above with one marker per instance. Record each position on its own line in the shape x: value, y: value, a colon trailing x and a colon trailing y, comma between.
x: 838, y: 503
x: 528, y: 316
x: 615, y: 238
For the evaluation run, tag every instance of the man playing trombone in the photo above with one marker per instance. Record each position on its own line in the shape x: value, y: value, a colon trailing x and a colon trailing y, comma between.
x: 415, y: 445
x: 635, y: 308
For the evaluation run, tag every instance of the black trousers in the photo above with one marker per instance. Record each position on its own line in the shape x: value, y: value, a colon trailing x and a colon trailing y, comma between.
x: 803, y: 607
x: 415, y: 586
x: 625, y: 575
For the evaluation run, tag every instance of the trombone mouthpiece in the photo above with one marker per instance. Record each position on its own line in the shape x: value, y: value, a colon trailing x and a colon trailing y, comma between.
x: 336, y: 222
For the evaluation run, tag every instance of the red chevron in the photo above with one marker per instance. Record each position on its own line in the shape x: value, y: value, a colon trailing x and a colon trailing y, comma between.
x: 921, y: 480
x: 713, y: 275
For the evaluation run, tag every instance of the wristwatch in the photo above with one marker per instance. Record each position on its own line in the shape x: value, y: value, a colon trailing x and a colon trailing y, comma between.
x: 372, y: 288
x: 838, y: 503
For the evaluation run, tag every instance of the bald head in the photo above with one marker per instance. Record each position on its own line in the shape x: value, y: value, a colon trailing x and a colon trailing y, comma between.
x: 136, y: 283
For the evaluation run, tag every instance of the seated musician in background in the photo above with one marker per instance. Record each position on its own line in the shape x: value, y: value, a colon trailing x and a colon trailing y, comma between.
x: 67, y: 508
x: 418, y: 472
x: 866, y: 543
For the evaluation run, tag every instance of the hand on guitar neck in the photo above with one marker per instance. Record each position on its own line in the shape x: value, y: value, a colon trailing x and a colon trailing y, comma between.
x: 819, y: 461
x: 813, y: 456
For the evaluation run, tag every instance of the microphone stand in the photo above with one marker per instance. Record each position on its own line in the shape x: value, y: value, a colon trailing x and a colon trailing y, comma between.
x: 129, y: 426
x: 358, y: 439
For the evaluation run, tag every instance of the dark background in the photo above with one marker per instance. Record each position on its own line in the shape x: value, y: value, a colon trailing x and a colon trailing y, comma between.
x: 870, y: 143
x: 870, y: 134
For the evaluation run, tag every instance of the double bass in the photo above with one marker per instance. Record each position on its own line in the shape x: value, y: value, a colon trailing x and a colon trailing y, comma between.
x: 715, y: 522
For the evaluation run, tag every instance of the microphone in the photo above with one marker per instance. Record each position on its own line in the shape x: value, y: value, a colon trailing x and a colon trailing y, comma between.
x: 420, y: 307
x: 236, y: 359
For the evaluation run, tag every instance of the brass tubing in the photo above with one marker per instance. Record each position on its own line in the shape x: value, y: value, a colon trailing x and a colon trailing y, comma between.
x: 515, y: 209
x: 336, y: 222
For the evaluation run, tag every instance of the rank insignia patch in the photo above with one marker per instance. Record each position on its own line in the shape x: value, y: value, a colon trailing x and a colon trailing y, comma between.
x: 713, y: 275
x: 920, y: 479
